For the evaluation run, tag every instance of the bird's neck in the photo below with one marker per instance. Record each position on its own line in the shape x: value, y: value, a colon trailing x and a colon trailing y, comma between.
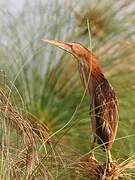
x: 90, y: 77
x: 94, y: 68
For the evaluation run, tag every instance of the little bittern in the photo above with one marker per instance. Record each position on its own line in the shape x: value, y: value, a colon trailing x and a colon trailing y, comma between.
x: 103, y: 100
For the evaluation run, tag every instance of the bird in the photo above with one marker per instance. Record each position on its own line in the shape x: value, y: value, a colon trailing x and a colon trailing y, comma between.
x: 102, y: 97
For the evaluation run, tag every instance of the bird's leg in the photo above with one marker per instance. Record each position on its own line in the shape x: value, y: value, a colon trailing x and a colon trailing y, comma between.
x: 92, y: 145
x: 109, y: 156
x: 109, y: 160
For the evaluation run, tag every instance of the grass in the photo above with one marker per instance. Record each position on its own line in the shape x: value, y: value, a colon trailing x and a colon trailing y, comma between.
x: 44, y: 123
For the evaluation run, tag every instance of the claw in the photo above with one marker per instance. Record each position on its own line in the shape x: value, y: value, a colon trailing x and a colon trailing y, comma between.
x: 92, y: 157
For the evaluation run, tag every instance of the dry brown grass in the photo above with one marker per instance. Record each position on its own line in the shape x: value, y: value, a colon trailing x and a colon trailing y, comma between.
x: 76, y: 166
x: 20, y: 135
x: 94, y: 170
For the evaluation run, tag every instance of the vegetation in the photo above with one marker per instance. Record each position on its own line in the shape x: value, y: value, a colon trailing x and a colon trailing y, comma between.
x: 44, y: 112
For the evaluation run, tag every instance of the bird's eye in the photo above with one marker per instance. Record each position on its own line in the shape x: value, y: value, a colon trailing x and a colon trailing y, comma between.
x: 72, y: 48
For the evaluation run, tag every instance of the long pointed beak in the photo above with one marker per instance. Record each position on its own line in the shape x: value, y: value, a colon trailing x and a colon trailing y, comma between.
x: 66, y: 46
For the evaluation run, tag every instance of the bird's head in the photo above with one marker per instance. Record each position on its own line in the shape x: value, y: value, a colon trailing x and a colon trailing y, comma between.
x: 83, y: 56
x: 77, y: 50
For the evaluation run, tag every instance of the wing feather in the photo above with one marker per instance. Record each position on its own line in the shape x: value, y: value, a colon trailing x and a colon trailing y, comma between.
x: 106, y: 113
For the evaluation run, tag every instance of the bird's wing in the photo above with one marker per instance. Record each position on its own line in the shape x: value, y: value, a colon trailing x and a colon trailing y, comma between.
x: 106, y: 111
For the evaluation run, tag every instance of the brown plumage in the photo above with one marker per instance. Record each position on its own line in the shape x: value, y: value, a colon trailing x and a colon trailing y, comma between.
x: 103, y: 100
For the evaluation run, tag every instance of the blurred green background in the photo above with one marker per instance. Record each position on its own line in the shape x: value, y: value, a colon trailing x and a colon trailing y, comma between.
x: 47, y: 78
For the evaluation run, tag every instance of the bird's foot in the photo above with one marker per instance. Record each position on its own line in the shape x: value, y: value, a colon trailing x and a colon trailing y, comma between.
x: 109, y: 166
x: 92, y: 157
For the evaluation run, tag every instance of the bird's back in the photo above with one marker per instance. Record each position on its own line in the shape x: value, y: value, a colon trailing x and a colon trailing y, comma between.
x: 106, y: 114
